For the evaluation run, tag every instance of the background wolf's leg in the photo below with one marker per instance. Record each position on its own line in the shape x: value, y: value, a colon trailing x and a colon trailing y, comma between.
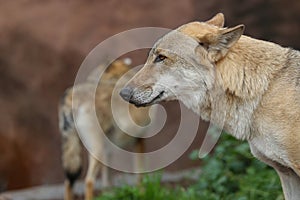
x: 68, y: 195
x: 139, y: 162
x: 91, y: 177
x: 105, y: 176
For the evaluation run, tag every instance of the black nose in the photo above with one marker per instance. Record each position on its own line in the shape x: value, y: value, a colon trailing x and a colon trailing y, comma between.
x: 126, y: 93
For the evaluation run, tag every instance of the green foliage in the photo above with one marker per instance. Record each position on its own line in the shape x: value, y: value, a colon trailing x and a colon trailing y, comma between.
x: 229, y: 173
x: 150, y: 189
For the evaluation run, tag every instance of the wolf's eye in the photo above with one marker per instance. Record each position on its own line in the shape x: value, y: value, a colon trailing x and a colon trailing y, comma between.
x: 159, y: 58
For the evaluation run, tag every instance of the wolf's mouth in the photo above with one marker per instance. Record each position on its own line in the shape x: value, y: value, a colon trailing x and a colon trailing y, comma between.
x: 153, y: 101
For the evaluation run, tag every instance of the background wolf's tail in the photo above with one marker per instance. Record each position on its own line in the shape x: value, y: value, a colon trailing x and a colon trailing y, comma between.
x: 71, y: 145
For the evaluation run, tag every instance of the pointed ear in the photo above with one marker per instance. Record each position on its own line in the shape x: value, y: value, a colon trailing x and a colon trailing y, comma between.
x: 218, y: 20
x: 230, y: 36
x: 218, y: 44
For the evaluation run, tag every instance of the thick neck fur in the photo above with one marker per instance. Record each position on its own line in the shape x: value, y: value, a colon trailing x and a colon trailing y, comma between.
x: 242, y: 77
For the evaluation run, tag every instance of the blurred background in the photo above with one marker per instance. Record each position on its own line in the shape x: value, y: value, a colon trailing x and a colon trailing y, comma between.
x: 42, y: 44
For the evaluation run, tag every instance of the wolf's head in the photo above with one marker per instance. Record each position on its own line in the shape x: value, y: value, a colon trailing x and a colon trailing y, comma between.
x: 181, y: 64
x: 112, y: 73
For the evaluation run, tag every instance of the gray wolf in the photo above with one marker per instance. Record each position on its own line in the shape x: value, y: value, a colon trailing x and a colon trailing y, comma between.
x: 82, y: 108
x: 219, y: 73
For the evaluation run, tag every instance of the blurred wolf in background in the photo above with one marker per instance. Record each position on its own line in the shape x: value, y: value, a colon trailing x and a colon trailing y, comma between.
x: 86, y: 125
x: 250, y: 86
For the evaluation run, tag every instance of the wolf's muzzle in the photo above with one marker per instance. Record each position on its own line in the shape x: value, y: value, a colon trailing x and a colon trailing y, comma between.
x: 126, y: 93
x: 139, y: 96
